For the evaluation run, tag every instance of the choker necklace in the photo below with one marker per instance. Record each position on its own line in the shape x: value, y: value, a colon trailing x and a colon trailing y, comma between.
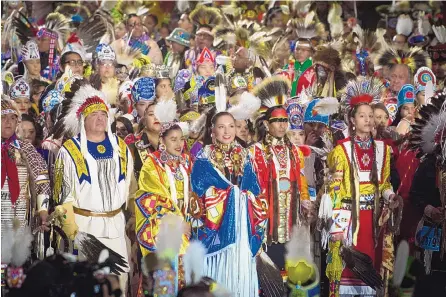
x: 364, y: 144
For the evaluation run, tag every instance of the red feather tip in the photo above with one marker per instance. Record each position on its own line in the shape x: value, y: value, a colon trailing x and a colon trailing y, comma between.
x: 73, y: 38
x: 364, y: 98
x: 306, y: 151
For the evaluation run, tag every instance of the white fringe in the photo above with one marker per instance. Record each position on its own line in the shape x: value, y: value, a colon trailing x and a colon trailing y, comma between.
x: 235, y: 267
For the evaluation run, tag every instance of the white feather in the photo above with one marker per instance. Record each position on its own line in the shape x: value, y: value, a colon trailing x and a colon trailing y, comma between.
x: 402, y: 254
x: 193, y: 262
x: 440, y: 33
x: 103, y: 256
x: 183, y: 5
x: 404, y: 25
x: 299, y: 247
x: 246, y: 107
x: 166, y: 111
x: 327, y: 106
x: 198, y: 125
x: 169, y: 238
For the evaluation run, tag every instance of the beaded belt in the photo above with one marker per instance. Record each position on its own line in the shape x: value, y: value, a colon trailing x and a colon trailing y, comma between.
x: 88, y: 213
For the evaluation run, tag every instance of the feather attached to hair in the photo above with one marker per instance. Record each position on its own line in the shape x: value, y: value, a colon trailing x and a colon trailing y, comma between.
x: 246, y: 107
x: 166, y: 111
x: 327, y: 106
x: 193, y: 262
x: 170, y: 236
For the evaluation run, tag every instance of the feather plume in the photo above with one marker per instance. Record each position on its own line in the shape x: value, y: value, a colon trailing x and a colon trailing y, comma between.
x: 16, y: 244
x: 335, y: 21
x: 220, y: 93
x: 428, y: 92
x: 327, y: 106
x: 404, y: 25
x: 170, y: 236
x: 166, y: 111
x: 402, y: 254
x: 272, y: 91
x: 246, y: 107
x: 205, y: 16
x: 193, y: 262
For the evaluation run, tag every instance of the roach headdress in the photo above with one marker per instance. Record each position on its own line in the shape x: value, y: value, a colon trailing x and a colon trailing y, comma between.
x: 414, y: 58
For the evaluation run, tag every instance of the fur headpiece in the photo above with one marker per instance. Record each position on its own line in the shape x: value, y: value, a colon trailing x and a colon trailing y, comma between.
x: 414, y: 58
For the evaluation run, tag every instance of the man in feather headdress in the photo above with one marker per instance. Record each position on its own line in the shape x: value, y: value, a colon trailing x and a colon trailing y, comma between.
x: 92, y: 177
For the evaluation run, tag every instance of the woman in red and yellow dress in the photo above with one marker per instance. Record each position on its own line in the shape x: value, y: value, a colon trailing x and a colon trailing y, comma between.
x: 164, y: 184
x: 362, y: 167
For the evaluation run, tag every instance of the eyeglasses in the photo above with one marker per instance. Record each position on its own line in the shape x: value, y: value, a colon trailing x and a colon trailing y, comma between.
x: 75, y: 63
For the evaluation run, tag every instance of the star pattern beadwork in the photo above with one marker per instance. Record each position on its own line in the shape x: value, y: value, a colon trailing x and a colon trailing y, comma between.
x: 101, y: 149
x: 365, y: 159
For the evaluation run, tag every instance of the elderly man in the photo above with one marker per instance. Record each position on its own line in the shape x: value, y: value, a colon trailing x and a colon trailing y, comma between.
x: 92, y: 178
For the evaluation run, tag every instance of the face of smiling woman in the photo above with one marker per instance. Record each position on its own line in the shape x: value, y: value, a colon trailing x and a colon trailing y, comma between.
x: 224, y: 129
x: 174, y: 142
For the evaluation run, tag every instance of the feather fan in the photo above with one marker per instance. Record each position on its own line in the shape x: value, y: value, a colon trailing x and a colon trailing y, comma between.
x: 110, y: 90
x: 92, y: 30
x: 205, y: 16
x: 246, y: 107
x: 166, y: 111
x: 327, y: 106
x: 170, y: 236
x: 193, y: 262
